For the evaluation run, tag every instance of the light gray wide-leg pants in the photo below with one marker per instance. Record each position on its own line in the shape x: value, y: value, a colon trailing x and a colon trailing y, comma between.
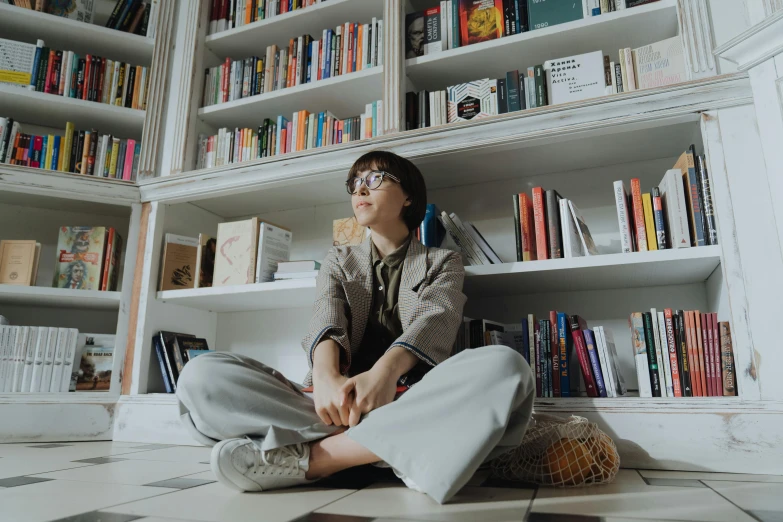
x: 467, y: 410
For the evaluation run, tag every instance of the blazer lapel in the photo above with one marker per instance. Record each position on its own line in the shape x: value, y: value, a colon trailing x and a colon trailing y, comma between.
x: 413, y: 273
x: 358, y: 289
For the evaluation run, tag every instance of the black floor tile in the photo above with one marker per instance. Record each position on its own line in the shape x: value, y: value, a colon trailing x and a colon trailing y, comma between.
x: 50, y: 446
x: 100, y: 516
x: 13, y: 482
x: 329, y: 517
x: 557, y: 517
x: 152, y: 446
x: 180, y: 483
x: 100, y: 460
x: 767, y: 516
x: 680, y: 483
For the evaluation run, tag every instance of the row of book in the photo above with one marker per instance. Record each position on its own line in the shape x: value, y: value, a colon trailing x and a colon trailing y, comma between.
x: 456, y: 23
x: 77, y: 151
x: 447, y: 230
x: 682, y: 354
x: 88, y: 258
x: 41, y: 359
x: 130, y: 16
x: 350, y: 47
x: 174, y: 351
x: 228, y: 14
x: 304, y: 131
x: 678, y: 213
x: 64, y: 73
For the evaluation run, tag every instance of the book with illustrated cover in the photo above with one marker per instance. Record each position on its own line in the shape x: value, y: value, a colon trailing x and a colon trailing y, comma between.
x: 348, y: 231
x: 575, y: 78
x: 179, y: 262
x: 588, y: 245
x: 639, y: 344
x: 423, y: 33
x: 546, y: 13
x: 80, y: 257
x: 237, y: 247
x: 205, y: 261
x: 79, y: 10
x: 471, y: 100
x: 660, y: 64
x: 95, y: 368
x: 16, y: 62
x: 19, y: 262
x: 480, y: 20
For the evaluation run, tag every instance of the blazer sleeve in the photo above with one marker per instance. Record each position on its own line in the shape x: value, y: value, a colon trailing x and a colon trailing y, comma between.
x: 437, y: 312
x: 330, y: 312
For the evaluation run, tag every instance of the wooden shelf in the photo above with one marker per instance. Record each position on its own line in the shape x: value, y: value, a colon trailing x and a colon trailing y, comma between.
x: 27, y: 25
x: 637, y: 269
x: 344, y: 96
x: 58, y: 298
x: 641, y: 125
x: 295, y: 293
x: 609, y: 32
x: 242, y: 42
x: 64, y: 191
x: 49, y: 110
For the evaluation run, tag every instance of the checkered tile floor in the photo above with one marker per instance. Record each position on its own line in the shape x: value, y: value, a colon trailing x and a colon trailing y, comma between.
x: 123, y: 482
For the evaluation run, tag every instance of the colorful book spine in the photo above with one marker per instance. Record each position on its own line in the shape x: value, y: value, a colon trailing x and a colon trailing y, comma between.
x: 565, y: 354
x: 581, y: 353
x: 554, y: 347
x: 638, y: 216
x: 595, y: 364
x: 539, y: 216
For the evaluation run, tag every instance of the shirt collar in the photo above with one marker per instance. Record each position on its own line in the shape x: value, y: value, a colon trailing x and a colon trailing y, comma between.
x: 393, y: 259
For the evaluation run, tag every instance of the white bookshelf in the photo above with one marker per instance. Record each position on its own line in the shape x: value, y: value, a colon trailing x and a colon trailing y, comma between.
x: 344, y: 96
x: 492, y: 59
x: 49, y: 110
x: 295, y: 293
x: 279, y: 29
x: 58, y: 297
x: 28, y: 25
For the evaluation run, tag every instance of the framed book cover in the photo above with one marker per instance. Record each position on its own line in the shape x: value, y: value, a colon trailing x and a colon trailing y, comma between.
x: 80, y: 256
x: 480, y: 20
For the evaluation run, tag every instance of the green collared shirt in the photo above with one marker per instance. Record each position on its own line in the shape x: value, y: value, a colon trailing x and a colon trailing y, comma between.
x: 383, y: 324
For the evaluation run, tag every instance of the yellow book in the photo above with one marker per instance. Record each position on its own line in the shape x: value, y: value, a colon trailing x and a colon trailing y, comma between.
x: 107, y: 160
x: 649, y: 222
x: 65, y: 153
x: 115, y: 148
x: 49, y: 151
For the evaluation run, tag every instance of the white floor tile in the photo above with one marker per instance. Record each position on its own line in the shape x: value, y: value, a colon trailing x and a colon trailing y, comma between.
x: 176, y: 454
x: 61, y: 498
x: 205, y: 475
x: 133, y: 472
x: 218, y: 503
x: 73, y: 450
x: 751, y: 496
x: 18, y: 466
x: 393, y: 500
x: 702, y: 475
x: 158, y: 519
x: 631, y: 497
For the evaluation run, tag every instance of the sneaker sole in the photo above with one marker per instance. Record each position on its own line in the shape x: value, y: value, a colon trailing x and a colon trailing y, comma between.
x: 214, y: 463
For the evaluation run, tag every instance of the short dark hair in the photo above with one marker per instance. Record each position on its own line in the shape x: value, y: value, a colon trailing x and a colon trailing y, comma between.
x: 411, y: 181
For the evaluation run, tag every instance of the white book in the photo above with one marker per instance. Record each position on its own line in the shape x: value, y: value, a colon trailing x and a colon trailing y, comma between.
x: 572, y: 245
x: 297, y: 266
x: 10, y: 367
x: 660, y: 64
x: 623, y: 218
x: 575, y: 78
x: 38, y: 360
x: 237, y: 248
x: 667, y: 368
x: 449, y: 23
x: 444, y: 25
x: 451, y: 228
x: 48, y: 364
x: 16, y: 62
x: 479, y: 240
x: 4, y: 333
x: 639, y: 346
x: 29, y: 359
x: 619, y: 5
x: 586, y: 11
x: 613, y: 86
x: 585, y: 237
x: 603, y: 359
x: 658, y: 349
x: 274, y: 246
x: 380, y: 42
x: 20, y: 352
x: 611, y: 350
x: 154, y: 20
x: 473, y: 246
x: 674, y: 205
x: 65, y: 74
x: 68, y: 359
x: 281, y: 276
x: 374, y: 43
x: 59, y: 357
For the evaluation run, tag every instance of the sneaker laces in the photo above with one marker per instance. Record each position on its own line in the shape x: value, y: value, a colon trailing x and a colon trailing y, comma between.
x: 279, y: 461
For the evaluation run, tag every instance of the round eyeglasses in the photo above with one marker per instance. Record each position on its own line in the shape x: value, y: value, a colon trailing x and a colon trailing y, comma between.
x: 372, y: 180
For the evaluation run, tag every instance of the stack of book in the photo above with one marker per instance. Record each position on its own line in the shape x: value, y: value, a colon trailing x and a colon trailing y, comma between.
x: 349, y: 48
x: 456, y: 23
x: 228, y: 14
x: 130, y: 16
x: 77, y: 151
x: 297, y: 270
x: 682, y: 354
x: 548, y: 345
x: 91, y: 78
x: 174, y: 351
x: 678, y: 213
x: 304, y: 131
x: 463, y: 235
x: 44, y: 359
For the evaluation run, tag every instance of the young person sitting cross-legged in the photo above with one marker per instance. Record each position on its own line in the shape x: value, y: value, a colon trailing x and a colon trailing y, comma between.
x: 385, y: 389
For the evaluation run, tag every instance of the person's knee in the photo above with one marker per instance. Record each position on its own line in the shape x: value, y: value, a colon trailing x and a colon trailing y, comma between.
x: 197, y: 377
x: 502, y: 361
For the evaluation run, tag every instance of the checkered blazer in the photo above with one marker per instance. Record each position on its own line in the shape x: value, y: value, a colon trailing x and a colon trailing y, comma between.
x: 430, y: 302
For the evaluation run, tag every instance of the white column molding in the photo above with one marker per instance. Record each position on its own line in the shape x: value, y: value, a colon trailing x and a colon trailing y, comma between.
x: 156, y: 104
x: 696, y: 32
x: 393, y: 67
x: 756, y: 45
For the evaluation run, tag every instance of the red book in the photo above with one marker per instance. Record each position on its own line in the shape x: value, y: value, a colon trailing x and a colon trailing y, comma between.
x: 693, y: 357
x: 638, y: 216
x: 716, y: 354
x: 577, y: 325
x: 214, y: 13
x: 107, y: 259
x: 554, y: 341
x: 226, y: 74
x: 88, y: 61
x: 671, y: 349
x: 101, y: 75
x: 36, y: 159
x: 528, y: 231
x: 539, y: 217
x: 491, y: 17
x: 127, y: 170
x: 224, y: 11
x: 707, y: 345
x: 537, y: 341
x: 54, y: 88
x: 49, y: 67
x: 700, y: 351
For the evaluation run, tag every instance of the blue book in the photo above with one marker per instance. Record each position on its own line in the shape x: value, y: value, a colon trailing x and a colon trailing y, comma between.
x: 432, y: 231
x: 156, y: 342
x: 55, y: 153
x: 74, y: 73
x: 193, y: 353
x: 327, y: 62
x: 355, y: 45
x: 594, y: 362
x: 374, y: 119
x: 44, y: 152
x: 309, y: 64
x: 526, y: 341
x: 564, y: 345
x: 36, y: 61
x: 320, y: 134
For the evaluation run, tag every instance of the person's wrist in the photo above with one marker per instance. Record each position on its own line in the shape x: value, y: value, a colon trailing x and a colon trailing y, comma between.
x: 325, y: 374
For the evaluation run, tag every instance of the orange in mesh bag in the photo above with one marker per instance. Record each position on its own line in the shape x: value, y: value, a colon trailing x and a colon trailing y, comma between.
x: 560, y: 452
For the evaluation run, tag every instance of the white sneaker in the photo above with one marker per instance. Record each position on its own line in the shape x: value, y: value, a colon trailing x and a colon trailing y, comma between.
x: 239, y: 464
x: 407, y: 481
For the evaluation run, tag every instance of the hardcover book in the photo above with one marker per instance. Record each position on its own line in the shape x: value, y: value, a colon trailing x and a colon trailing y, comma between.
x: 205, y: 261
x: 623, y: 217
x: 80, y: 257
x: 575, y: 78
x: 639, y: 344
x: 18, y: 262
x: 237, y: 245
x: 660, y: 64
x: 480, y: 20
x: 179, y: 262
x: 675, y: 209
x: 470, y: 100
x: 16, y: 62
x: 545, y: 13
x: 423, y: 33
x: 274, y: 246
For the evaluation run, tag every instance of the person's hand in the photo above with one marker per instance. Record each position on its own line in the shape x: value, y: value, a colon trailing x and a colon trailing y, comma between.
x: 368, y: 391
x: 330, y: 403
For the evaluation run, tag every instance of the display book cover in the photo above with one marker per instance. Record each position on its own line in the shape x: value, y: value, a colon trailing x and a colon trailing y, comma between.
x: 660, y: 63
x: 95, y: 356
x: 179, y: 262
x: 80, y: 260
x: 480, y: 20
x: 19, y: 262
x: 575, y: 78
x: 471, y: 100
x: 423, y: 33
x: 174, y: 350
x: 546, y: 13
x: 235, y: 259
